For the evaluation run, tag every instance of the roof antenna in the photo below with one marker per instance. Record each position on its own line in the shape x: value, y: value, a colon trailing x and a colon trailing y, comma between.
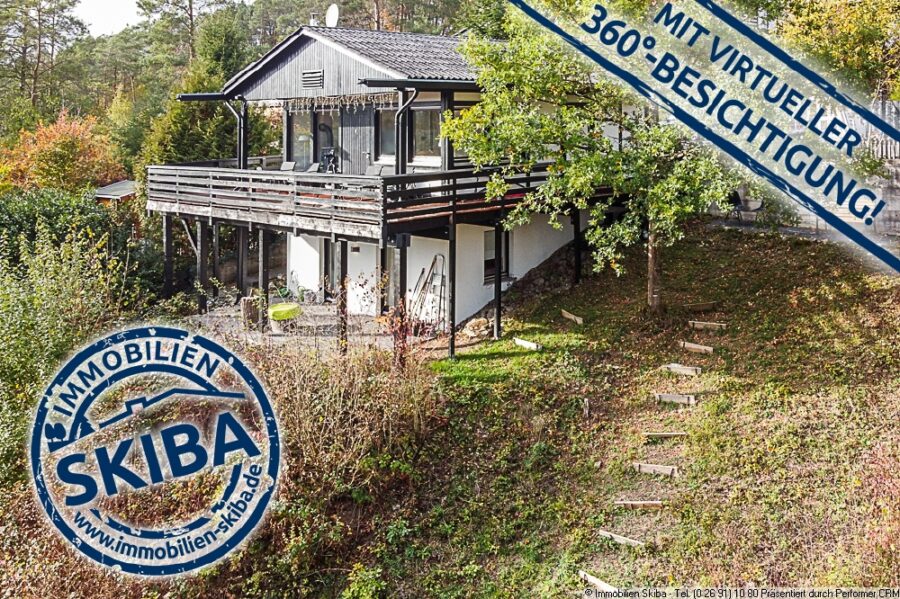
x: 313, y: 19
x: 332, y: 15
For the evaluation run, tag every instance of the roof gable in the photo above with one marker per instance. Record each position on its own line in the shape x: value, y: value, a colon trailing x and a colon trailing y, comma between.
x: 378, y: 54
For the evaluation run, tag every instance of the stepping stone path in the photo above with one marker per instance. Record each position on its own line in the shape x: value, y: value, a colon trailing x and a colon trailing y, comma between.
x: 596, y: 582
x: 640, y: 505
x: 668, y: 398
x: 684, y: 400
x: 529, y: 345
x: 657, y: 436
x: 670, y: 471
x: 576, y: 319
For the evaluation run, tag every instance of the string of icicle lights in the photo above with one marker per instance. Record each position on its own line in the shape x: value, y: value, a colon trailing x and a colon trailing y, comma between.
x: 383, y: 101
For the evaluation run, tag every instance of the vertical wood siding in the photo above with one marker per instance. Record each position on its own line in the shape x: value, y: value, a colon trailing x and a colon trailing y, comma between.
x: 358, y: 136
x: 284, y: 79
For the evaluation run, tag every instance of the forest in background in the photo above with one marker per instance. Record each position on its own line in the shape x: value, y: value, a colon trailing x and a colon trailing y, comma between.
x: 50, y: 65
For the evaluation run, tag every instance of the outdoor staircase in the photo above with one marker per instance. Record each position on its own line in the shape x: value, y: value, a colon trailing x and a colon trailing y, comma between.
x: 665, y: 473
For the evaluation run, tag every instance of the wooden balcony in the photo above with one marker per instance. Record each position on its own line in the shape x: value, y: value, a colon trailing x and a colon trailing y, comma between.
x: 299, y: 202
x: 354, y: 207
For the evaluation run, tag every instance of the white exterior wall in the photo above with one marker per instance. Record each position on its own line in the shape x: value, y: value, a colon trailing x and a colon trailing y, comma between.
x: 362, y: 289
x: 530, y: 246
x: 304, y: 263
x: 533, y: 243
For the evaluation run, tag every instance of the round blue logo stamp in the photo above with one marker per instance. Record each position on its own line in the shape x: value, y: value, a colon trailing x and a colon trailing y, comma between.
x: 155, y: 451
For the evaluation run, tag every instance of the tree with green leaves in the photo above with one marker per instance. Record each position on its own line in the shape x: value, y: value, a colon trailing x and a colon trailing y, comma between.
x: 855, y: 40
x: 33, y: 34
x: 180, y: 17
x: 541, y: 102
x: 189, y: 131
x: 858, y: 40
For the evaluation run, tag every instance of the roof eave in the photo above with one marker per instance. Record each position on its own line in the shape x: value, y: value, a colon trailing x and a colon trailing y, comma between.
x: 423, y: 84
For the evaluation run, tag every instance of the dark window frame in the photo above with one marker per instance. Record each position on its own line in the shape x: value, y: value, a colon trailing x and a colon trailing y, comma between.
x: 425, y: 107
x: 410, y: 130
x: 504, y: 269
x: 314, y: 129
x: 378, y: 113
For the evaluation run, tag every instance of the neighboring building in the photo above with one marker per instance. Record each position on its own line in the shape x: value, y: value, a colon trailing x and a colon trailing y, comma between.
x: 367, y: 190
x: 116, y: 193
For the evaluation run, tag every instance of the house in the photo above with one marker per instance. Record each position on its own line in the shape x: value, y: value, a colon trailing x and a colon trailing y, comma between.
x: 367, y: 192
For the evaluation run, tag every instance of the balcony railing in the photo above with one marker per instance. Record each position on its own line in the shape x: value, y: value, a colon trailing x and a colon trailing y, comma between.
x: 302, y: 201
x: 356, y: 206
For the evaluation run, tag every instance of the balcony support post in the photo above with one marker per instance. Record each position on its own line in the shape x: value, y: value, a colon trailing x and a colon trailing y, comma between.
x: 243, y: 249
x: 216, y: 256
x: 447, y: 104
x: 499, y: 261
x: 202, y: 264
x: 578, y: 238
x: 451, y: 292
x: 244, y: 134
x: 343, y: 341
x: 168, y: 257
x: 265, y: 242
x: 384, y: 270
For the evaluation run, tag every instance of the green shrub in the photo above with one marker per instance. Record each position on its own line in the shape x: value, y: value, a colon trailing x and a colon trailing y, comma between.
x: 365, y: 583
x: 53, y: 297
x: 59, y: 212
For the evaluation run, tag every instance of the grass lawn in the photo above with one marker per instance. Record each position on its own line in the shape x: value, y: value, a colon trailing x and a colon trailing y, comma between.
x: 787, y: 474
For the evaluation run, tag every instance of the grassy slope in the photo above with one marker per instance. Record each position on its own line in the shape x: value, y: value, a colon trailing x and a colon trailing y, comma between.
x: 781, y: 468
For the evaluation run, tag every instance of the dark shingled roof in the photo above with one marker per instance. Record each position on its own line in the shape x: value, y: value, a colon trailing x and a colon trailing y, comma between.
x: 414, y: 55
x: 409, y: 55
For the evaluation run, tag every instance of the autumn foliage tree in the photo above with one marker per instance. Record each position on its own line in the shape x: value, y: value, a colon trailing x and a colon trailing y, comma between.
x: 69, y: 154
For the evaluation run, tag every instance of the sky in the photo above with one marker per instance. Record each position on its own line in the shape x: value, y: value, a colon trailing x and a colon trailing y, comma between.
x: 105, y: 17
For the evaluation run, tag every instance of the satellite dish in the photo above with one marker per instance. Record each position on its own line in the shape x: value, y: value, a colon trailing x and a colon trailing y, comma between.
x: 332, y: 16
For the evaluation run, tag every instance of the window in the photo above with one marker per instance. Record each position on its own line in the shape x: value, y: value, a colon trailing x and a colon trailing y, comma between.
x: 302, y: 151
x: 490, y: 258
x: 327, y: 141
x: 387, y: 141
x: 426, y: 125
x: 460, y: 155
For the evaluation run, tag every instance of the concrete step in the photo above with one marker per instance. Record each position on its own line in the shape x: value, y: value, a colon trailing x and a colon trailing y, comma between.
x: 698, y: 325
x: 695, y: 348
x: 670, y: 471
x: 683, y: 370
x: 674, y: 398
x: 619, y: 539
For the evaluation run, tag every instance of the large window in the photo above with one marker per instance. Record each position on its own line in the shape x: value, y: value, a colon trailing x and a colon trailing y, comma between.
x: 313, y: 135
x: 426, y: 133
x: 491, y: 262
x: 302, y: 150
x: 327, y: 141
x: 387, y: 140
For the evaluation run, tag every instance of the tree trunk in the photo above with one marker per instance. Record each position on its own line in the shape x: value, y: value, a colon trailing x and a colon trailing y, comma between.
x: 653, y: 299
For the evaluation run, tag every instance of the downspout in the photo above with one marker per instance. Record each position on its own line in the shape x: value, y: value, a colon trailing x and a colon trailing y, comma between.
x: 243, y: 119
x: 401, y: 138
